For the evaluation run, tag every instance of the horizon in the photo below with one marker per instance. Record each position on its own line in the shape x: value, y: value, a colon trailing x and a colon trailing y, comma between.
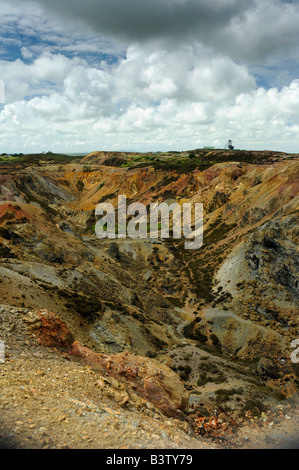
x: 75, y: 153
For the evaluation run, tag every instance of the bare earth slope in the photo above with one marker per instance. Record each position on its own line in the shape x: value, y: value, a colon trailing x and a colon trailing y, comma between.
x: 198, y: 341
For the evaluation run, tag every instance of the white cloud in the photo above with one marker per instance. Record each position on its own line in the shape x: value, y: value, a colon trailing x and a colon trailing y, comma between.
x: 177, y: 86
x: 252, y: 31
x: 42, y: 76
x: 26, y: 53
x: 144, y: 101
x: 25, y: 21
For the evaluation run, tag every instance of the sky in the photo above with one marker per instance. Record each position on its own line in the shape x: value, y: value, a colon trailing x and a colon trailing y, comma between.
x: 148, y: 75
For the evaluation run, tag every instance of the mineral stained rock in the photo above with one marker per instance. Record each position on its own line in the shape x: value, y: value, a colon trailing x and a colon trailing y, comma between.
x: 153, y: 381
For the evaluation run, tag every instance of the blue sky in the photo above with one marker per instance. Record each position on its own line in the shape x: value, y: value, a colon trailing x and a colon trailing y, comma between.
x: 159, y: 75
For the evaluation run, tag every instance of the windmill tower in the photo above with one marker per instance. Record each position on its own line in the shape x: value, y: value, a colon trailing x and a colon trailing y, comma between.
x: 229, y: 145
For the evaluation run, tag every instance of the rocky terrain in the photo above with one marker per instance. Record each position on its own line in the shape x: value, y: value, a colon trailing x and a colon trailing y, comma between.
x: 141, y: 343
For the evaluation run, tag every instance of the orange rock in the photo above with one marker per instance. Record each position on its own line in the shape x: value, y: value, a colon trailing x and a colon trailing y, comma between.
x: 53, y: 331
x: 153, y: 381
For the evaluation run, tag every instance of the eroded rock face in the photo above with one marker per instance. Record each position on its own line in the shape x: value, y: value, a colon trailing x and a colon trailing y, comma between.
x: 272, y: 254
x: 242, y: 337
x: 254, y: 307
x: 149, y: 379
x: 153, y: 381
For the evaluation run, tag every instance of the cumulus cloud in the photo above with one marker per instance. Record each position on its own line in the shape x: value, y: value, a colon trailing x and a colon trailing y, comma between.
x: 24, y: 26
x: 138, y: 19
x: 247, y: 30
x: 43, y: 76
x: 143, y: 102
x: 188, y: 73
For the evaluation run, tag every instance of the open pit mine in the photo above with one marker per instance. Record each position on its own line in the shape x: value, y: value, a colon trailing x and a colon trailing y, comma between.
x: 139, y: 342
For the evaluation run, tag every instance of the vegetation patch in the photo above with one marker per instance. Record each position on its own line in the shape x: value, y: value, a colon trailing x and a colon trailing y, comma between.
x: 80, y: 185
x: 254, y: 406
x: 185, y: 371
x: 176, y: 301
x: 223, y: 395
x: 218, y: 234
x: 5, y: 252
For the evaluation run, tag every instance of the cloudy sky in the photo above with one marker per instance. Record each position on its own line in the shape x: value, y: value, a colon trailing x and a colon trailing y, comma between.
x: 149, y: 74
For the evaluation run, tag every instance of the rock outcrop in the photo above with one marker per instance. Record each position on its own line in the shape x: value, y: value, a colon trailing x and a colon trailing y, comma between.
x: 153, y: 381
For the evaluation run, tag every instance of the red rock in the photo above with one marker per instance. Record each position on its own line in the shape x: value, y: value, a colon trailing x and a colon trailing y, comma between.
x: 153, y: 381
x: 53, y: 331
